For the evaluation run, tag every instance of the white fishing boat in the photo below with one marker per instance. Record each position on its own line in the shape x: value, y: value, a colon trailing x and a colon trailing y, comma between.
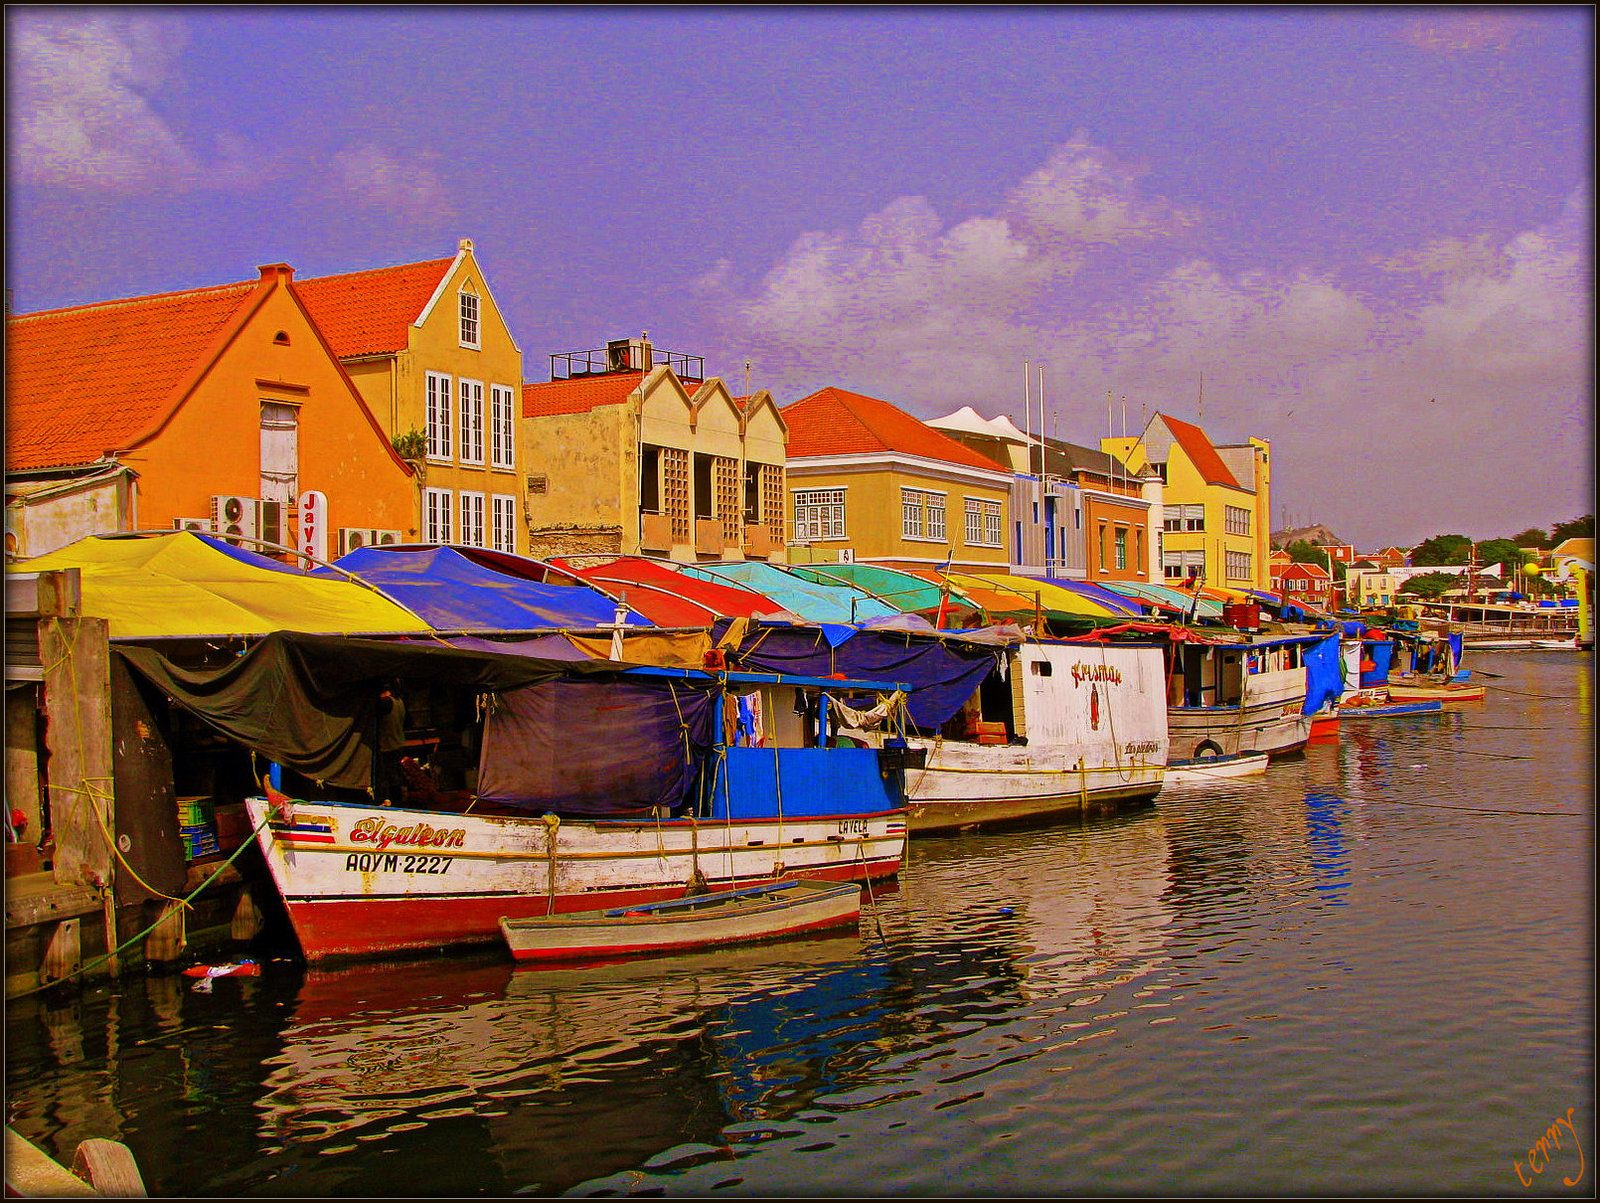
x: 765, y: 912
x: 1236, y: 696
x: 1060, y: 727
x: 1208, y: 769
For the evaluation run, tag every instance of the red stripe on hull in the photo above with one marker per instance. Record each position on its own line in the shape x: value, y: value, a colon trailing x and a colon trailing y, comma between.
x: 383, y: 926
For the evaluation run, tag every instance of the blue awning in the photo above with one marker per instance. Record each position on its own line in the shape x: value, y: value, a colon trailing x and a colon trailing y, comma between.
x: 451, y: 593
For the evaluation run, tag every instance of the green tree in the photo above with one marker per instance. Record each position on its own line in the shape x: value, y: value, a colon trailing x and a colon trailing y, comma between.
x: 1578, y: 528
x: 1302, y: 552
x: 1441, y: 549
x: 1431, y: 584
x: 1532, y: 537
x: 1500, y: 551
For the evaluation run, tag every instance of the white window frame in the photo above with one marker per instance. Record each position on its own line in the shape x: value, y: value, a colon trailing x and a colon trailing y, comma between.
x: 1236, y: 565
x: 974, y: 511
x: 922, y: 515
x: 469, y: 398
x: 470, y: 328
x: 471, y: 506
x: 440, y: 389
x: 1176, y: 563
x: 1236, y: 520
x: 503, y: 522
x: 1119, y: 546
x: 992, y: 524
x: 438, y: 511
x: 819, y: 515
x: 502, y: 427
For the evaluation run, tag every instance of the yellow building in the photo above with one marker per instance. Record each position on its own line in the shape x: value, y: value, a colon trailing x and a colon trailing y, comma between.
x: 432, y: 357
x: 867, y: 481
x: 632, y: 451
x: 1216, y: 502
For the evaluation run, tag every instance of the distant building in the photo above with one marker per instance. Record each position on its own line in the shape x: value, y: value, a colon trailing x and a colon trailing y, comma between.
x: 1076, y: 512
x: 428, y: 348
x: 1215, y: 503
x: 630, y: 450
x: 1309, y: 584
x: 867, y: 481
x: 211, y: 409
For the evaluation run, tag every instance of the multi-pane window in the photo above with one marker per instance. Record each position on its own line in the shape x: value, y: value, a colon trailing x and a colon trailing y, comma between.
x: 1184, y: 517
x: 1236, y: 520
x: 469, y: 319
x: 1178, y: 565
x: 729, y: 485
x: 472, y: 519
x: 974, y: 521
x: 772, y: 500
x: 1237, y: 565
x: 436, y: 506
x: 818, y: 514
x: 1122, y: 547
x: 470, y: 394
x: 922, y: 514
x: 991, y: 523
x: 674, y: 490
x: 503, y: 523
x: 502, y: 427
x: 983, y: 522
x: 438, y: 417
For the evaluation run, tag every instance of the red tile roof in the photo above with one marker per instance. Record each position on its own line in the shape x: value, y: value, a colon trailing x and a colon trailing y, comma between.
x: 1201, y: 453
x: 369, y: 312
x: 577, y: 396
x: 832, y: 421
x: 90, y: 379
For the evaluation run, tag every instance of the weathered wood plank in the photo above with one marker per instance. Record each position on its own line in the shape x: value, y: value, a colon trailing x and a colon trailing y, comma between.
x: 77, y: 700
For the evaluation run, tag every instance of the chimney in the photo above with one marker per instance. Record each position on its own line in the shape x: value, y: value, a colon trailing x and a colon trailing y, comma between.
x: 270, y: 270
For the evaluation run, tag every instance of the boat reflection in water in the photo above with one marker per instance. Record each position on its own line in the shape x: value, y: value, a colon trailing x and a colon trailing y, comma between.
x: 571, y: 1070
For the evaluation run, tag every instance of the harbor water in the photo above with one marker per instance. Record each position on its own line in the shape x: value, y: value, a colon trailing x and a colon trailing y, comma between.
x: 1369, y: 970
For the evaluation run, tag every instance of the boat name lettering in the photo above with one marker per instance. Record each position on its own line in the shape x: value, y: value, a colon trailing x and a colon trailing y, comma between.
x: 381, y: 834
x: 1096, y: 672
x: 1140, y: 747
x: 856, y: 826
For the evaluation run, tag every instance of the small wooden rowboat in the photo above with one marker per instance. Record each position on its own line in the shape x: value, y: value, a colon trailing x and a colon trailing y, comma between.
x: 1425, y: 691
x: 764, y: 912
x: 1349, y: 710
x: 1205, y: 769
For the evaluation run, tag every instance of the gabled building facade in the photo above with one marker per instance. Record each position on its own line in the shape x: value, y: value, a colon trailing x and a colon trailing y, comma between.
x: 1309, y: 584
x: 431, y: 353
x: 632, y: 451
x: 1216, y: 501
x: 1077, y: 513
x: 867, y: 481
x: 216, y: 409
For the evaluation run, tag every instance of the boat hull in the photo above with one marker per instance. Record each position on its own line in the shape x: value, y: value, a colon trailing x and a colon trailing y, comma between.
x: 1390, y: 710
x: 1182, y: 773
x: 361, y: 881
x: 730, y: 917
x: 1454, y: 692
x: 1277, y: 728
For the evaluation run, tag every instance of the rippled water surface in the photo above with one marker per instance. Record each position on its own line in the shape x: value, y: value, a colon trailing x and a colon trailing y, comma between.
x: 1368, y: 971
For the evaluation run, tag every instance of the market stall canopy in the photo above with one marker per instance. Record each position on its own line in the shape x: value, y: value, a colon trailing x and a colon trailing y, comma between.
x: 670, y: 598
x: 891, y: 586
x: 455, y: 593
x: 186, y: 584
x: 1168, y: 598
x: 809, y: 600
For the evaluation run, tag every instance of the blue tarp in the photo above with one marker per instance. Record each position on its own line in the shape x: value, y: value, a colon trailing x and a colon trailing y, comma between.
x: 1381, y: 653
x: 1324, y: 674
x: 451, y: 593
x: 940, y: 673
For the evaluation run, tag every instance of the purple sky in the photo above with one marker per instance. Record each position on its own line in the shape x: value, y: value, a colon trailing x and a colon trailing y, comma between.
x: 1367, y: 231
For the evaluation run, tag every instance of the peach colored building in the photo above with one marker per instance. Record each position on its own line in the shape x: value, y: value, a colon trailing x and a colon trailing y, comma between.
x: 214, y: 409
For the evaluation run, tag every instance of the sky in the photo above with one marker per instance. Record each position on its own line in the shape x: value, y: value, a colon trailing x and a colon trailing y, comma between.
x: 1363, y: 234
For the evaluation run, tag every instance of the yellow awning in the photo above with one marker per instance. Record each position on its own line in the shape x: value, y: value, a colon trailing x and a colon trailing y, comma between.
x: 179, y: 584
x: 1051, y: 596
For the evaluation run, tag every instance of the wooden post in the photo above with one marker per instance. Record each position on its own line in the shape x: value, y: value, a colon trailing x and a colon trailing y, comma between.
x: 63, y: 957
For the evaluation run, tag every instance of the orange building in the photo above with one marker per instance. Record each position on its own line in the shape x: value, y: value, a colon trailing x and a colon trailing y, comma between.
x: 215, y: 408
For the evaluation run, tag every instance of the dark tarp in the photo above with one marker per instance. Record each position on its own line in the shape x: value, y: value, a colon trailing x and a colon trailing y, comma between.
x: 310, y: 701
x: 940, y: 674
x: 568, y: 747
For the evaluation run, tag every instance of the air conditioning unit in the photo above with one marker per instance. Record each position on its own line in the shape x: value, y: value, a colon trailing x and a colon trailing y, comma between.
x: 272, y: 525
x: 234, y: 518
x: 200, y: 526
x: 352, y: 537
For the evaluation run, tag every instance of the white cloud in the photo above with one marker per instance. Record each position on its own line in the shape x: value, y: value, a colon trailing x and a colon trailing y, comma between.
x: 373, y: 178
x: 81, y: 111
x: 1480, y: 343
